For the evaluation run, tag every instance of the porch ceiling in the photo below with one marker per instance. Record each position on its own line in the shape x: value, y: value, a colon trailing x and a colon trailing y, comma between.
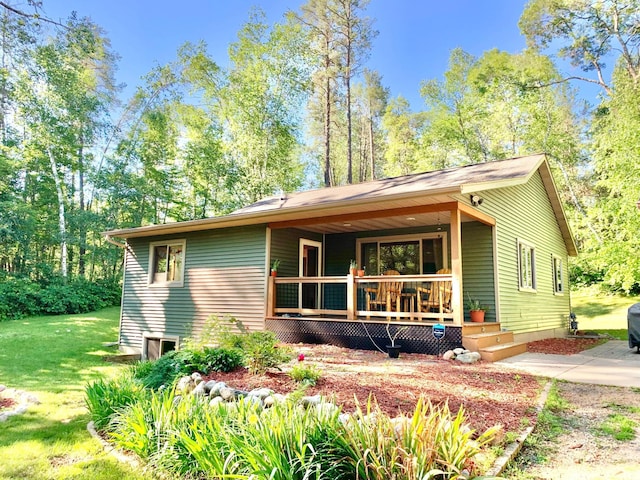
x: 389, y: 218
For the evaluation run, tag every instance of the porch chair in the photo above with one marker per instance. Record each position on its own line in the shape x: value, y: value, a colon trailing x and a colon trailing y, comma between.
x: 387, y: 294
x: 436, y: 298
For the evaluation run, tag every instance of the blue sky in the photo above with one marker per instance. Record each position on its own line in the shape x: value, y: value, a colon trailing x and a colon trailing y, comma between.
x: 414, y: 41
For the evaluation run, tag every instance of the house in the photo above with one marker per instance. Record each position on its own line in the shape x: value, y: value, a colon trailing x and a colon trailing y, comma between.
x: 492, y: 231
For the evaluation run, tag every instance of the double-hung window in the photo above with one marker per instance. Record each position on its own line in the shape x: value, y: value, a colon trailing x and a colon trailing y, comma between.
x: 166, y: 263
x: 526, y: 266
x: 558, y: 277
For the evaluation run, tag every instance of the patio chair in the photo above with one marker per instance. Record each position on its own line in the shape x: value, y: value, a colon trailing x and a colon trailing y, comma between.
x: 436, y: 298
x: 387, y: 295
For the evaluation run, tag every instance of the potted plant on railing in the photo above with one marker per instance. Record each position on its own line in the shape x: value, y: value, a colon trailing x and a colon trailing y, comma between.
x: 353, y: 267
x: 476, y: 310
x: 274, y: 267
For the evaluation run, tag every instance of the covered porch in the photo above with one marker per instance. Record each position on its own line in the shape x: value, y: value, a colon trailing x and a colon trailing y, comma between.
x: 411, y: 274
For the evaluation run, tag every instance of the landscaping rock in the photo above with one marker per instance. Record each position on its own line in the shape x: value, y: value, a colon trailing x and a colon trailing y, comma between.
x: 208, y: 386
x: 261, y: 393
x: 216, y: 401
x: 228, y: 394
x: 448, y: 355
x: 185, y: 385
x: 216, y: 388
x: 311, y: 401
x: 197, y: 378
x: 459, y: 351
x: 470, y: 357
x: 200, y: 389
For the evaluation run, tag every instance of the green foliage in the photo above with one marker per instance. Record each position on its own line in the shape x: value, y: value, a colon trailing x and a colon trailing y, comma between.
x: 305, y: 373
x: 190, y: 438
x: 619, y: 426
x: 217, y: 331
x: 177, y: 363
x: 105, y: 398
x: 22, y: 297
x: 262, y: 352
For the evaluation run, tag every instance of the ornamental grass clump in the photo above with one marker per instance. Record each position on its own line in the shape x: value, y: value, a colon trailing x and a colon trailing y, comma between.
x: 428, y: 444
x: 106, y: 397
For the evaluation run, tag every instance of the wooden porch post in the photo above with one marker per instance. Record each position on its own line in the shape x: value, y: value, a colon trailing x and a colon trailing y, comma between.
x: 351, y: 297
x: 457, y: 301
x: 271, y: 296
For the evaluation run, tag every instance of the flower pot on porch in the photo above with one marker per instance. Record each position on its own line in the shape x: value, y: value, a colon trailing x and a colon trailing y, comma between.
x: 352, y: 271
x: 274, y: 273
x: 393, y: 351
x: 477, y: 316
x: 361, y: 273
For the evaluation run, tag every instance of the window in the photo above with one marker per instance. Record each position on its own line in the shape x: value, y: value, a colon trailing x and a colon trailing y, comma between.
x: 526, y: 266
x: 409, y: 255
x: 166, y: 263
x: 154, y: 346
x: 558, y: 277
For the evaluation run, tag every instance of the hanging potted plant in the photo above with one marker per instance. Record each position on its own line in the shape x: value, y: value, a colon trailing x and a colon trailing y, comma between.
x: 274, y: 267
x: 476, y: 310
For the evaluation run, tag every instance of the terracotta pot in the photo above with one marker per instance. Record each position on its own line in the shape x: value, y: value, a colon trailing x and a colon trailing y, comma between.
x: 352, y: 271
x: 361, y: 273
x: 274, y: 273
x: 477, y: 316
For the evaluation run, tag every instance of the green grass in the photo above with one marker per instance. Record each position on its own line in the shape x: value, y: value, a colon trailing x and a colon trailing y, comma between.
x: 602, y: 313
x: 53, y: 358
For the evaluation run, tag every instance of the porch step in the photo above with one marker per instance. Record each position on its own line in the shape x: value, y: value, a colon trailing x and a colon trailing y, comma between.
x: 478, y: 341
x: 471, y: 328
x: 500, y: 352
x: 492, y: 343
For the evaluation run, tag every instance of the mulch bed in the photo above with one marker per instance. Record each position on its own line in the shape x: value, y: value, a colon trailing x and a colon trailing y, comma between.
x: 564, y: 346
x: 6, y: 402
x: 490, y: 395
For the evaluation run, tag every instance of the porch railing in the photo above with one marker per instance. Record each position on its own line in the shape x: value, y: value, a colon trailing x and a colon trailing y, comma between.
x: 417, y: 298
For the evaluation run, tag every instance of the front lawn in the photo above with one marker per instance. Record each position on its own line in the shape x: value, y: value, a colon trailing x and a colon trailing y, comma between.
x: 602, y: 313
x: 53, y: 357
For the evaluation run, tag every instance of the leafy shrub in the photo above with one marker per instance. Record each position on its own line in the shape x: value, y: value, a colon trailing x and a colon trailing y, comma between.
x: 307, y: 374
x: 20, y: 297
x: 218, y: 331
x: 261, y: 352
x: 223, y: 359
x: 105, y: 398
x: 169, y: 367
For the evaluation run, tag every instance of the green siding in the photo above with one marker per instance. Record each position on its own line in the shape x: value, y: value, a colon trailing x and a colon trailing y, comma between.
x: 524, y: 212
x: 477, y: 267
x: 285, y: 246
x: 224, y: 274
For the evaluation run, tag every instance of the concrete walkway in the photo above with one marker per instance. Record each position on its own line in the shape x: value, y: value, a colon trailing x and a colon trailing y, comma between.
x: 613, y: 363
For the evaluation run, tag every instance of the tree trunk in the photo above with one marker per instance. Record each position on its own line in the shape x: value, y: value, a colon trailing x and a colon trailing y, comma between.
x: 372, y: 146
x: 61, y: 215
x: 82, y: 230
x: 327, y: 129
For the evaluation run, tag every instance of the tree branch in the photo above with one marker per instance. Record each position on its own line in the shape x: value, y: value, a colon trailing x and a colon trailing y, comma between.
x: 566, y: 79
x: 34, y: 16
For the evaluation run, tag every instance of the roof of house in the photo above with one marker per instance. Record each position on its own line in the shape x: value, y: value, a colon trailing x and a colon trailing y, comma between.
x: 377, y: 194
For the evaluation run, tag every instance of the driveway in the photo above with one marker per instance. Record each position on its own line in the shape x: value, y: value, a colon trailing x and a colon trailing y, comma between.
x: 613, y: 363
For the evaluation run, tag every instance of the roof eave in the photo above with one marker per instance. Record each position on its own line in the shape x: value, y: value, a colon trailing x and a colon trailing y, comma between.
x: 268, y: 216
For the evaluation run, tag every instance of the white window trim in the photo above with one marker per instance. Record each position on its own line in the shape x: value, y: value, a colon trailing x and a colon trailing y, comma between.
x: 395, y: 238
x: 558, y: 258
x: 532, y: 247
x: 179, y: 283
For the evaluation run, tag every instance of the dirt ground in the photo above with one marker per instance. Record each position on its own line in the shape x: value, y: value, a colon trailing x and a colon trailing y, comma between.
x: 489, y: 394
x: 583, y: 452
